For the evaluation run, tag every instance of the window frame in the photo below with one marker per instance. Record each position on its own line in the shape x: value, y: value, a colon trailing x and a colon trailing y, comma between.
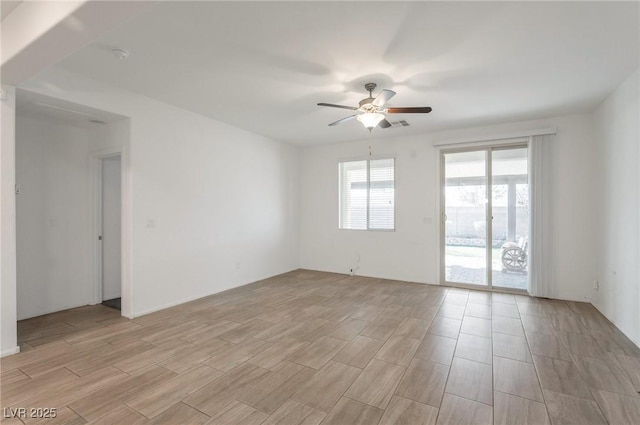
x: 368, y: 160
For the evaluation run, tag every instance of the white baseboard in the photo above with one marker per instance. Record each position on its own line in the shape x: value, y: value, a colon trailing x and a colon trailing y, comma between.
x: 409, y: 279
x: 10, y: 351
x: 55, y: 310
x: 197, y: 297
x: 637, y: 343
x: 173, y: 304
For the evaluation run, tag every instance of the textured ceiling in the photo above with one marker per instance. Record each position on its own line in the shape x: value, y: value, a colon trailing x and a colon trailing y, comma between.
x: 263, y: 66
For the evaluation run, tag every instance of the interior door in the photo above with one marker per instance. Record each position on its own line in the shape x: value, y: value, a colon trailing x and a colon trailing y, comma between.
x: 111, y: 228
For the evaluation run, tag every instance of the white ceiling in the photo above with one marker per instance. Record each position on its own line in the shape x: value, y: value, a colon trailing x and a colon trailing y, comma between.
x: 263, y: 66
x: 34, y: 105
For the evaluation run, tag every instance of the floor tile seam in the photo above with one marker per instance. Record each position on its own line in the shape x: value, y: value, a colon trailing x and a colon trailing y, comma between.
x: 538, y: 374
x: 451, y: 365
x: 592, y: 390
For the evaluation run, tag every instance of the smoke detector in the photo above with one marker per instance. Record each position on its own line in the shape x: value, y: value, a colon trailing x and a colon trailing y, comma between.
x: 120, y: 53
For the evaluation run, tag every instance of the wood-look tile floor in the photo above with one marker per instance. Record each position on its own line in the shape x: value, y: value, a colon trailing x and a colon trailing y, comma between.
x: 319, y: 348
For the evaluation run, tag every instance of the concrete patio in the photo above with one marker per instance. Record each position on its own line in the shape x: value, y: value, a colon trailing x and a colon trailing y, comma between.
x: 468, y: 265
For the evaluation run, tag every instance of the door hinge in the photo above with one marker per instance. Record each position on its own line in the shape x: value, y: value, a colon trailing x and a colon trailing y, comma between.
x: 100, y: 237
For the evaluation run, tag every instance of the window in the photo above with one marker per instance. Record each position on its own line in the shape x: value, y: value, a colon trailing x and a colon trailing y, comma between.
x: 367, y: 194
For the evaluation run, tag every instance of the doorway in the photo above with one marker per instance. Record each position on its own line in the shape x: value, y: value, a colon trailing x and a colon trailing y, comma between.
x: 59, y: 149
x: 110, y: 229
x: 485, y: 211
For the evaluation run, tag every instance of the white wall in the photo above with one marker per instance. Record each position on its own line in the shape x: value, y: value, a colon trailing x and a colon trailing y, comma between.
x: 8, y: 329
x: 55, y: 233
x: 617, y: 123
x: 406, y: 254
x: 53, y: 216
x: 111, y: 228
x: 411, y: 252
x: 213, y: 206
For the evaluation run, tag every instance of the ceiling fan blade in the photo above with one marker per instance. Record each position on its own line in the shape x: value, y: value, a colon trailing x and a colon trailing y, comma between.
x: 423, y: 110
x: 331, y: 105
x: 383, y: 97
x: 384, y: 124
x: 349, y: 118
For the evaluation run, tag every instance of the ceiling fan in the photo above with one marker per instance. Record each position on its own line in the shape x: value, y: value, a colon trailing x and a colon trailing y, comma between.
x: 371, y: 109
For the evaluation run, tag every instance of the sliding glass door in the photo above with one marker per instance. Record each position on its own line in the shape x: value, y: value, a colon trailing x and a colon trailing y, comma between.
x: 510, y: 213
x: 485, y: 212
x: 465, y: 214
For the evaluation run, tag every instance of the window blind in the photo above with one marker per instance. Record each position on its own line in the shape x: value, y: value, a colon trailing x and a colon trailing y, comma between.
x: 353, y: 195
x: 381, y: 194
x: 367, y: 194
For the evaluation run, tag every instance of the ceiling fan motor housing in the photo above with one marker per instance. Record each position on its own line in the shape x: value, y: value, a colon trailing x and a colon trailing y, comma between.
x: 367, y: 106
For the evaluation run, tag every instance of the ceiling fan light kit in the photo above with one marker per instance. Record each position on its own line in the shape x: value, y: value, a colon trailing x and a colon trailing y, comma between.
x: 371, y: 110
x: 370, y: 119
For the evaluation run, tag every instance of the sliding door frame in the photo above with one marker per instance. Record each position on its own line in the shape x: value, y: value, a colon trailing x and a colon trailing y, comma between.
x: 487, y: 149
